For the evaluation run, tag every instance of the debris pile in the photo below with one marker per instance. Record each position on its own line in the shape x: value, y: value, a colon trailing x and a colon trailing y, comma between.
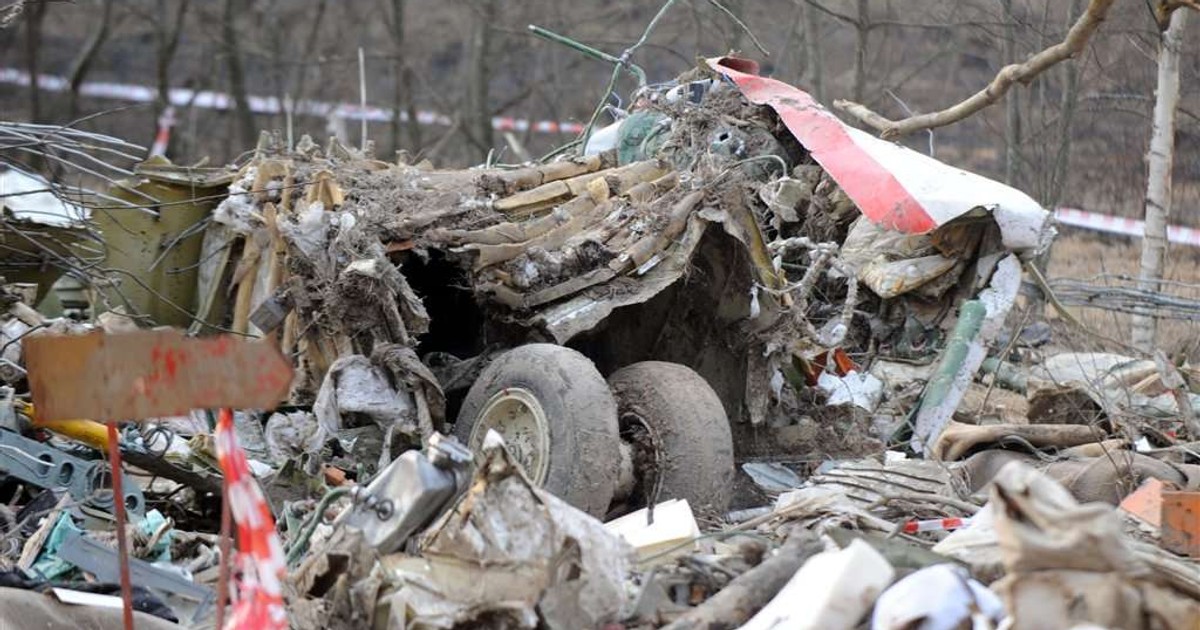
x: 730, y: 363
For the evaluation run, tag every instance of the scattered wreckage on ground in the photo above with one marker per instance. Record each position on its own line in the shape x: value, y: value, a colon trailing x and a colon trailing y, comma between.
x: 490, y: 362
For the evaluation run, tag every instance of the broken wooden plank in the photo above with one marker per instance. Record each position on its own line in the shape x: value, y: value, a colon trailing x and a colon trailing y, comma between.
x: 581, y: 216
x: 522, y: 179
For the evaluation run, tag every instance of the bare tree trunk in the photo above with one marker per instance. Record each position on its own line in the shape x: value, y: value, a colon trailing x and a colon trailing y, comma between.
x: 1158, y: 187
x: 301, y: 78
x: 244, y: 118
x: 813, y: 69
x: 414, y: 126
x: 35, y: 14
x: 167, y: 32
x: 1062, y: 158
x: 478, y: 114
x: 1070, y: 101
x: 734, y: 41
x: 863, y: 26
x: 402, y: 101
x: 276, y: 42
x: 83, y: 61
x: 1012, y: 113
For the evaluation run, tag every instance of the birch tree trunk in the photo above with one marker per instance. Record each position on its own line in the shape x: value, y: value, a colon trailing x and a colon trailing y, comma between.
x: 1158, y: 188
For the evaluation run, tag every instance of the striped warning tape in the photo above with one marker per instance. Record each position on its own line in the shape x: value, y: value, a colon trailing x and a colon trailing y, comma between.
x: 935, y: 525
x: 270, y: 105
x: 205, y: 99
x: 1121, y: 225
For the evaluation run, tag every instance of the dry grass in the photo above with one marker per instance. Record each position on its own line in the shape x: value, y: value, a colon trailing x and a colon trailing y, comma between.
x: 1085, y: 255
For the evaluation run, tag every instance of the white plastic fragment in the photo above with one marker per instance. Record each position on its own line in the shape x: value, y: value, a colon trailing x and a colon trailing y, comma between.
x: 772, y: 477
x: 492, y: 440
x: 832, y: 591
x: 940, y: 597
x: 19, y: 196
x: 976, y: 545
x: 309, y: 230
x: 855, y: 388
x: 673, y: 526
x: 777, y: 384
x: 239, y: 209
x: 603, y: 139
x: 260, y: 469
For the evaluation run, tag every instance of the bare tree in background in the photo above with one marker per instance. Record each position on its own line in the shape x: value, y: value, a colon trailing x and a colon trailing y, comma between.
x: 168, y: 27
x: 402, y: 82
x: 813, y: 70
x: 1012, y: 106
x: 862, y: 29
x: 308, y: 73
x: 1023, y: 73
x: 87, y: 55
x: 35, y: 16
x: 1067, y: 107
x: 243, y: 118
x: 861, y: 23
x: 1158, y: 188
x: 478, y: 113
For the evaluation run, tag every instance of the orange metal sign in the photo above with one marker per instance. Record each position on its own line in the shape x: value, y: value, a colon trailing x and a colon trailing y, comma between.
x: 150, y: 374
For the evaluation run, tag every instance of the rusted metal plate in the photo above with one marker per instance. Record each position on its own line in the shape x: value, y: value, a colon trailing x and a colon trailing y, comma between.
x: 1181, y: 523
x: 150, y: 374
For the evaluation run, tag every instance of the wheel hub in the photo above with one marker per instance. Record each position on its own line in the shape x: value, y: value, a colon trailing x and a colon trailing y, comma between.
x: 518, y: 417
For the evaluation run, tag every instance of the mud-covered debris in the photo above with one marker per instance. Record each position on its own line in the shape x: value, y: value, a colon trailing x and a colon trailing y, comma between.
x: 508, y: 550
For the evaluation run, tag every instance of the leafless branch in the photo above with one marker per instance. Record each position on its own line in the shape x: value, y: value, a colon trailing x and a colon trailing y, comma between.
x: 1023, y: 73
x: 746, y: 29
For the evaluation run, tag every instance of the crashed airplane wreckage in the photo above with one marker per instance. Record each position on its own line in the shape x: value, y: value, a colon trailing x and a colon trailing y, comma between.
x: 490, y: 361
x: 705, y: 253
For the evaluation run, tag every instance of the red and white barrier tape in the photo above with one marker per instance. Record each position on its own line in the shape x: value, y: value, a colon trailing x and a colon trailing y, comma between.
x: 181, y: 97
x: 1122, y: 225
x: 163, y: 137
x: 259, y: 605
x: 271, y: 105
x: 935, y: 525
